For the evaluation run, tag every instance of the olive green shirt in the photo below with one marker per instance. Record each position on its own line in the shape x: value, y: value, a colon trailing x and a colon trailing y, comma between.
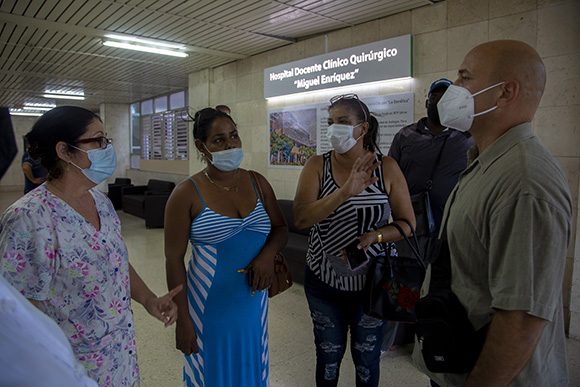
x: 508, y: 227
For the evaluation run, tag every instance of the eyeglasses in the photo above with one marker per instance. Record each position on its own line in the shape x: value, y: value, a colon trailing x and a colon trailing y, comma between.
x: 337, y: 98
x: 102, y: 140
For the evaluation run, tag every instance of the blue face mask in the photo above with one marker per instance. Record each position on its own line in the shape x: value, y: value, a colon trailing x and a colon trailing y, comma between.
x: 227, y: 160
x: 103, y: 163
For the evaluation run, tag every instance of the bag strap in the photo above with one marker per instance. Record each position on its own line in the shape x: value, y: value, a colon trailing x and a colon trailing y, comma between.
x: 441, y: 269
x: 413, y: 235
x: 430, y: 181
x: 414, y: 244
x: 441, y: 265
x: 257, y: 186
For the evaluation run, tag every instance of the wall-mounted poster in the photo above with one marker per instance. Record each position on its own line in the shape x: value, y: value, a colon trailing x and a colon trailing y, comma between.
x: 292, y: 135
x: 299, y: 132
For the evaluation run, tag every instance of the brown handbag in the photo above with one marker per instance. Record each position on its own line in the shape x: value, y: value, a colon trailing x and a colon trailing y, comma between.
x: 282, y: 277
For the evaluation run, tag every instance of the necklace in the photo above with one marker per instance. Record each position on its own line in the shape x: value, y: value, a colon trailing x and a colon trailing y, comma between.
x: 233, y: 188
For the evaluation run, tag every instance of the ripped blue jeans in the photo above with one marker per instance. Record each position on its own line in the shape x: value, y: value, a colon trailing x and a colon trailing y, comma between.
x: 333, y: 313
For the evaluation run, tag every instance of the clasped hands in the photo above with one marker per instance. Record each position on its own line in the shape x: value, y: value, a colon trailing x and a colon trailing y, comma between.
x: 163, y: 308
x: 261, y: 272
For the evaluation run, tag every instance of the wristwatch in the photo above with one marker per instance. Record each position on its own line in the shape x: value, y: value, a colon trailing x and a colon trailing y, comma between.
x: 379, y: 237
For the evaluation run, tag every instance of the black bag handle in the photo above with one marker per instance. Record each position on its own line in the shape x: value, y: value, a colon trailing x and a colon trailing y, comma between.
x: 413, y: 235
x: 414, y: 244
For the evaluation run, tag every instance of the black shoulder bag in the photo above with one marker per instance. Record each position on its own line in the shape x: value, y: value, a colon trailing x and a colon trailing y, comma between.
x: 393, y: 282
x: 448, y: 341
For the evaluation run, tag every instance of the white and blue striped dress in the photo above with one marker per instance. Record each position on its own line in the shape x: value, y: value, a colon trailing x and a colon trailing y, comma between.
x: 231, y: 323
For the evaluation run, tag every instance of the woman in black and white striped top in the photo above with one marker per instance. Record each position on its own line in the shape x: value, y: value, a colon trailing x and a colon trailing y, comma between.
x: 346, y: 196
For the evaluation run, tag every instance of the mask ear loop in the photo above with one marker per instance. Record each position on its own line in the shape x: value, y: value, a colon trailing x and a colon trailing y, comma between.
x: 82, y: 150
x: 487, y: 88
x: 362, y: 135
x: 206, y: 157
x: 485, y: 111
x: 483, y: 91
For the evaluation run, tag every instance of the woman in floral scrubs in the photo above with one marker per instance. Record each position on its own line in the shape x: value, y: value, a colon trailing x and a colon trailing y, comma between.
x: 61, y: 246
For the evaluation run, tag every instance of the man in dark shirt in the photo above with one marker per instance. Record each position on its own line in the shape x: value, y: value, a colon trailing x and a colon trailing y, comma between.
x: 416, y: 148
x: 34, y: 172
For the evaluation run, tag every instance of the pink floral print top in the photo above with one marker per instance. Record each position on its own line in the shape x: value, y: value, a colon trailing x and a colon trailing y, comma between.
x: 78, y: 275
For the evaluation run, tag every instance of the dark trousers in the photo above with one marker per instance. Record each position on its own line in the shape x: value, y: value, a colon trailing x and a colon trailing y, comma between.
x: 333, y: 313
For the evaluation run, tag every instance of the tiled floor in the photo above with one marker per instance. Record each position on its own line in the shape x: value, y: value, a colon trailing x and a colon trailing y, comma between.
x: 291, y: 341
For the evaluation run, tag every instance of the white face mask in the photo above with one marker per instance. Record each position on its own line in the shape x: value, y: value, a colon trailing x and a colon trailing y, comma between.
x: 227, y: 160
x: 456, y: 107
x: 103, y: 163
x: 341, y: 137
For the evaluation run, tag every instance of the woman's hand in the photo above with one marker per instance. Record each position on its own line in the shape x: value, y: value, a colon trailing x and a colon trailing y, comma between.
x: 367, y: 239
x: 163, y: 308
x: 262, y: 272
x: 185, y: 337
x: 361, y: 175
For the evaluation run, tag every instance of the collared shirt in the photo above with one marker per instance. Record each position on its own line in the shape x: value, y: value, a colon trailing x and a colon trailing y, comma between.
x: 508, y: 227
x: 415, y: 148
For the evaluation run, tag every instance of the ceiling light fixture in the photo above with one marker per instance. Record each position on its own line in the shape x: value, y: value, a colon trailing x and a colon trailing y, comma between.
x: 33, y: 108
x: 20, y: 112
x: 65, y: 91
x: 64, y: 96
x: 33, y: 105
x: 145, y: 45
x: 149, y: 42
x: 150, y: 49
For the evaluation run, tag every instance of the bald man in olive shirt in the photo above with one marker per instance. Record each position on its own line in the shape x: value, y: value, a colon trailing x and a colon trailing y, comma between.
x: 508, y: 224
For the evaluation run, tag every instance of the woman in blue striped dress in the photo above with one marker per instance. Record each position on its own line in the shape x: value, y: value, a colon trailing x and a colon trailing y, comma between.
x: 222, y: 326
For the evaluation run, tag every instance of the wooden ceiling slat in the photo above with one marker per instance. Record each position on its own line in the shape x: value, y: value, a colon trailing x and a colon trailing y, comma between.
x: 140, y: 28
x: 20, y: 52
x: 47, y: 8
x: 173, y: 32
x: 118, y: 19
x: 21, y: 7
x: 178, y: 7
x: 218, y: 12
x: 34, y: 37
x: 34, y: 55
x: 63, y: 7
x: 161, y: 4
x: 200, y: 8
x: 370, y: 8
x: 254, y: 16
x: 33, y: 8
x: 84, y: 12
x: 131, y: 24
x: 7, y: 5
x: 326, y: 8
x: 109, y: 12
x: 5, y: 35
